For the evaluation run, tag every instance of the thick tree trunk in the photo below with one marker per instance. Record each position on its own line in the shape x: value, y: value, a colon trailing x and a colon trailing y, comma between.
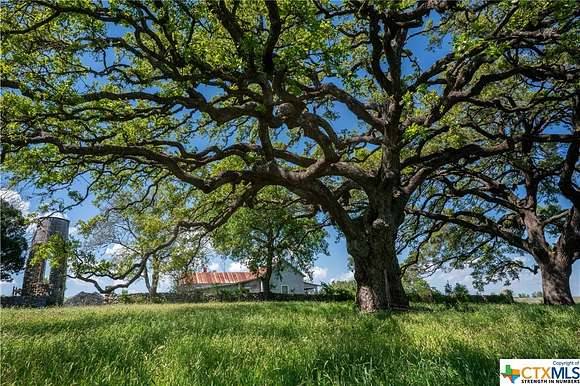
x: 377, y: 272
x: 378, y: 287
x: 372, y: 246
x: 556, y: 285
x: 557, y: 268
x: 556, y: 278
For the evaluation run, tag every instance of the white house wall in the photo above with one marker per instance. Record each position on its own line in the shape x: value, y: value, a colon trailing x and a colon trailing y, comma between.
x: 289, y: 277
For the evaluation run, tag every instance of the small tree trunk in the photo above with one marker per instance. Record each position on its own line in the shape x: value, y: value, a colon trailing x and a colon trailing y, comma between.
x: 154, y: 282
x: 269, y: 267
x: 154, y: 276
x: 267, y: 276
x: 266, y: 283
x: 377, y: 272
x: 145, y: 275
x: 556, y: 282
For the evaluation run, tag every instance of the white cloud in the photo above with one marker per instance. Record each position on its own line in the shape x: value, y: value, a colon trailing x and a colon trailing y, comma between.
x: 527, y: 282
x: 74, y: 286
x: 347, y: 276
x: 319, y: 273
x: 74, y: 231
x: 114, y: 249
x: 14, y: 198
x: 30, y: 229
x: 210, y: 249
x: 461, y: 276
x: 214, y: 266
x: 237, y: 267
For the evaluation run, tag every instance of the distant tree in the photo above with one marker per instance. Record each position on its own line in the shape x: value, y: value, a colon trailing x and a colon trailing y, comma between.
x: 276, y: 229
x: 13, y: 240
x: 523, y: 295
x: 448, y: 289
x: 460, y: 290
x: 508, y: 294
x: 140, y: 240
x: 537, y: 294
x: 415, y: 284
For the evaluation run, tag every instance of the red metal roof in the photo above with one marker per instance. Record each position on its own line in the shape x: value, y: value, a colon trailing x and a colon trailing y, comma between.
x: 218, y: 277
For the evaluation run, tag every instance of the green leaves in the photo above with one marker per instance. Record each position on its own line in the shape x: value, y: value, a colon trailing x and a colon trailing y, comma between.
x: 275, y: 228
x: 413, y: 131
x: 13, y: 239
x: 55, y: 250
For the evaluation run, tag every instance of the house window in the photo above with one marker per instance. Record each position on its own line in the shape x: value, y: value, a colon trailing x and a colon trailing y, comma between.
x: 284, y: 289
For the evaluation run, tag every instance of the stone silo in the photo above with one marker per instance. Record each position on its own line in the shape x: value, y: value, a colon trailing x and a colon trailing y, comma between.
x: 35, y: 283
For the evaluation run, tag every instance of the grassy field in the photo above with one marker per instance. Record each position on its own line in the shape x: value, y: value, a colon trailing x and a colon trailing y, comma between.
x: 277, y: 344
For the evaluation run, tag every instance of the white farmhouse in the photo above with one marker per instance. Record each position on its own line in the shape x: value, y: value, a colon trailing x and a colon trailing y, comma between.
x: 286, y: 280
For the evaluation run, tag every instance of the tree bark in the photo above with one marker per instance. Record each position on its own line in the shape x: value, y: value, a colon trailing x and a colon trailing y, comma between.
x: 266, y: 283
x: 145, y: 275
x: 268, y: 274
x: 556, y: 282
x: 557, y: 270
x: 152, y: 284
x: 377, y: 272
x: 154, y: 277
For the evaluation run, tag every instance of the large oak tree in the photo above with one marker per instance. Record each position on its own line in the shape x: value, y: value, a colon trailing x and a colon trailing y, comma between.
x: 486, y: 214
x: 121, y: 91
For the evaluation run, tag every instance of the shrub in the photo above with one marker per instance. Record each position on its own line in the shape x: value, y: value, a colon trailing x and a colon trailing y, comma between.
x: 232, y: 294
x: 124, y: 297
x: 460, y: 292
x: 340, y: 290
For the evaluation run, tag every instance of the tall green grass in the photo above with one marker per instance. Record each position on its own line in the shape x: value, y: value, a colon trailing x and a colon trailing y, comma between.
x: 277, y: 344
